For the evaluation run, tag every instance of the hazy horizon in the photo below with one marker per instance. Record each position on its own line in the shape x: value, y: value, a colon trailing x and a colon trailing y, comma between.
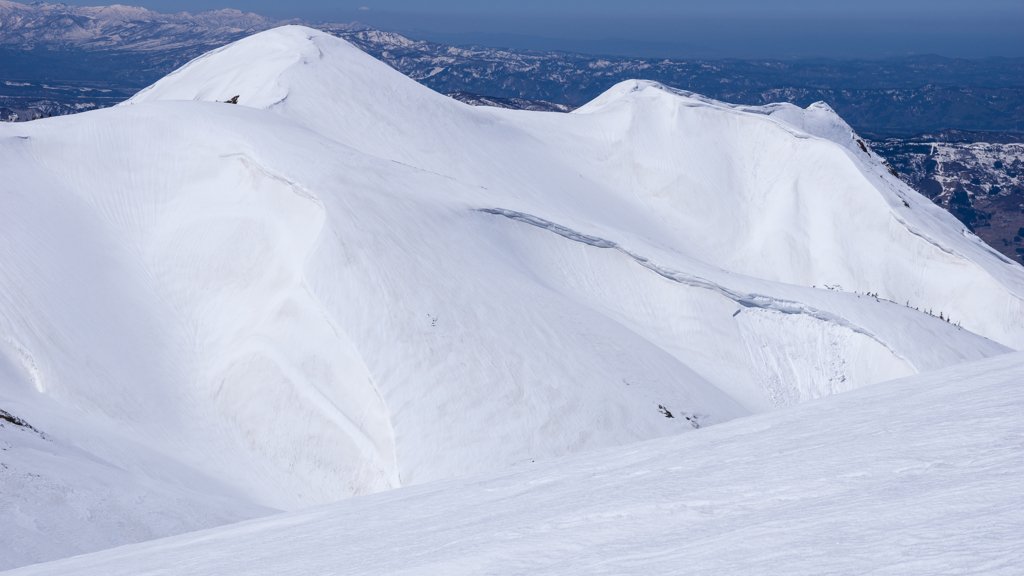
x: 659, y: 28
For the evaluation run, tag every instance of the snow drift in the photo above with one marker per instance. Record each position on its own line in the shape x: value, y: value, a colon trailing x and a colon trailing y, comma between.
x: 348, y: 283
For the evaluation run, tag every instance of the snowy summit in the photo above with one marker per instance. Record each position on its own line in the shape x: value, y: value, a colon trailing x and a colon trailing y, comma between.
x: 286, y: 275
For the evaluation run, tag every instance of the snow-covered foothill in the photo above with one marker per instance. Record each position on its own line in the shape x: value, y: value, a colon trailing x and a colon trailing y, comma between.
x: 347, y: 283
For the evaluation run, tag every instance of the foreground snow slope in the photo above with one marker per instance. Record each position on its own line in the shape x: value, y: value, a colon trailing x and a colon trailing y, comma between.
x: 350, y: 283
x: 59, y: 501
x: 917, y: 476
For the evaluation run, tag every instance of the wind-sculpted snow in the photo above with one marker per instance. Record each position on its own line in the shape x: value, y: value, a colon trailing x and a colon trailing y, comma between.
x: 303, y: 294
x: 764, y: 343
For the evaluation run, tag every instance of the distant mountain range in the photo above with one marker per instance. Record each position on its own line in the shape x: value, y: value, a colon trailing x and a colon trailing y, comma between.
x: 130, y: 28
x: 511, y: 103
x: 977, y: 177
x: 60, y: 26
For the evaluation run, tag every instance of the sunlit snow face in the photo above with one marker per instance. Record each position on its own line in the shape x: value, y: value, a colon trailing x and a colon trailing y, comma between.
x: 347, y: 282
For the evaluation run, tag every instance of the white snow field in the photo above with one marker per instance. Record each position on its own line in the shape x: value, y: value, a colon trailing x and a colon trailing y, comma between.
x: 348, y: 283
x: 917, y: 476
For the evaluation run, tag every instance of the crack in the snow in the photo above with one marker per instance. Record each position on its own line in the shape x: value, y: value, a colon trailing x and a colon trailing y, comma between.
x: 745, y: 300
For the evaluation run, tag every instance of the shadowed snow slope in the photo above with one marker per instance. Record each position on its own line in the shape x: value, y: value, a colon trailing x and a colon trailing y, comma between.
x: 348, y: 283
x: 917, y: 476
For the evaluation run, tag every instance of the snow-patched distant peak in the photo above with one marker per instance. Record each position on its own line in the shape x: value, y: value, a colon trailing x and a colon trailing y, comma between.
x: 60, y: 26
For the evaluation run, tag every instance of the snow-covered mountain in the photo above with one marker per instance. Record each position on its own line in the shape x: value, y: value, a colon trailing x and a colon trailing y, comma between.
x: 287, y: 274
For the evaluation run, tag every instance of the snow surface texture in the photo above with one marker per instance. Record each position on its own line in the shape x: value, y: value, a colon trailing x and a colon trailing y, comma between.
x: 917, y: 476
x: 51, y: 490
x: 348, y: 283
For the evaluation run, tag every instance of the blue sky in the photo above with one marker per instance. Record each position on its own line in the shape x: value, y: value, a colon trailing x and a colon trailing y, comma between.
x: 738, y: 28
